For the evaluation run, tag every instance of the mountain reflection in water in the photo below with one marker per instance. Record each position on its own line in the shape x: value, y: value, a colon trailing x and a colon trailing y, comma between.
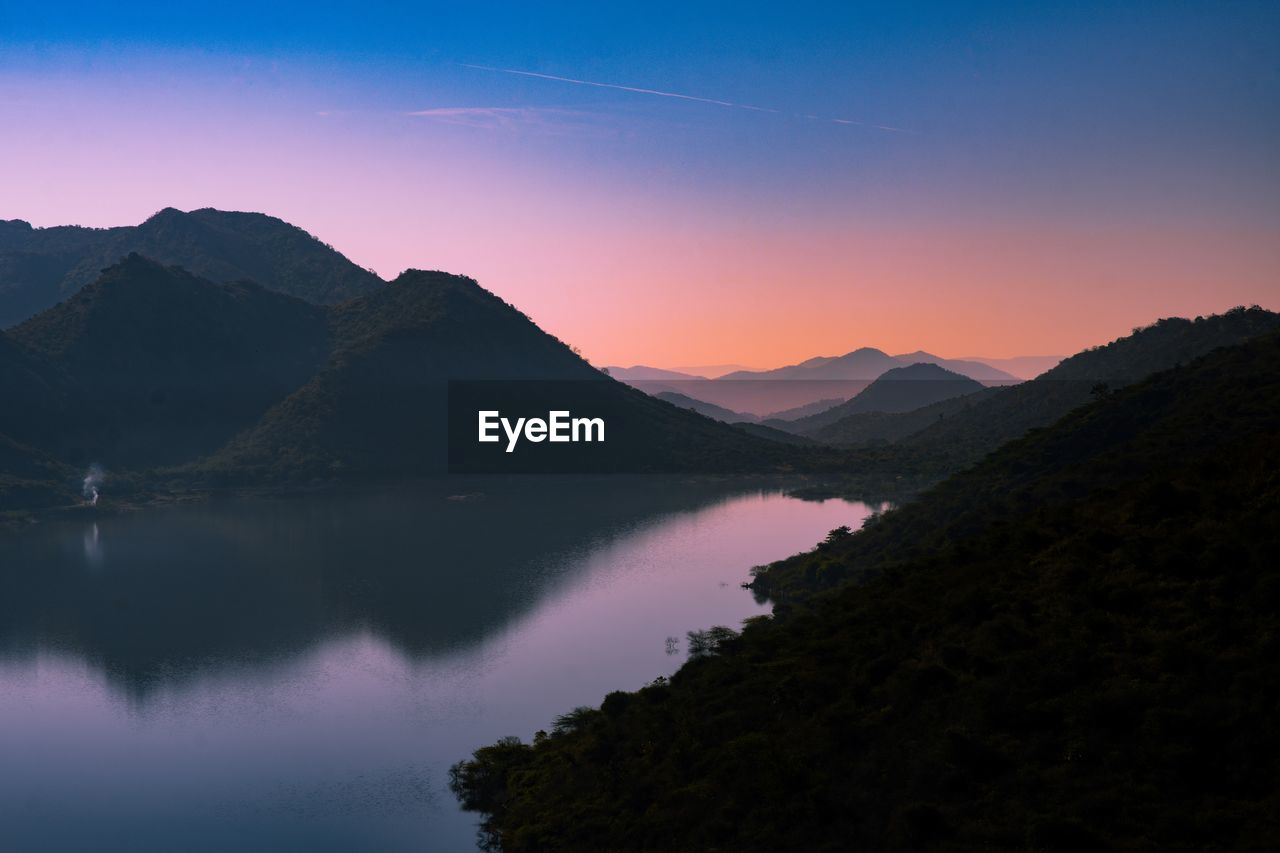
x: 281, y: 674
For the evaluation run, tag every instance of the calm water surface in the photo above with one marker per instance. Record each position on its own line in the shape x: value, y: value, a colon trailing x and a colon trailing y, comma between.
x: 280, y: 675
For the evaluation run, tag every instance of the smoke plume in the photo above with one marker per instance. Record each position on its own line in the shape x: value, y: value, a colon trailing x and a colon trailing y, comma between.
x: 92, y: 481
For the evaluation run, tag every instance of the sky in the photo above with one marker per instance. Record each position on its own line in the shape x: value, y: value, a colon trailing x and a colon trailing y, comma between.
x: 694, y: 183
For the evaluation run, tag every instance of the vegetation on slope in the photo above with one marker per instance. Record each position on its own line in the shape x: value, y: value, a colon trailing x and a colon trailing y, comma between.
x: 1070, y: 647
x: 40, y: 267
x: 152, y: 365
x: 919, y: 448
x: 869, y: 429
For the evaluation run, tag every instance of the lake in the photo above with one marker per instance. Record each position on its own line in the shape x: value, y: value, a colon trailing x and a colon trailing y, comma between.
x: 300, y: 674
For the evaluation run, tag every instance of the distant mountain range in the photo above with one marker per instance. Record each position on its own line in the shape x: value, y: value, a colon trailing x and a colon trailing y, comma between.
x: 711, y: 371
x: 957, y: 432
x: 799, y: 386
x: 40, y: 267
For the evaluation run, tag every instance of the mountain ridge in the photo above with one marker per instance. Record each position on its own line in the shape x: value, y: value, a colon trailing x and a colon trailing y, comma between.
x: 40, y: 267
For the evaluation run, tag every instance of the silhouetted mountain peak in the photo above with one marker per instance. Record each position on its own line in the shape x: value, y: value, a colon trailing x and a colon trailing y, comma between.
x: 864, y: 351
x: 165, y: 214
x: 921, y: 370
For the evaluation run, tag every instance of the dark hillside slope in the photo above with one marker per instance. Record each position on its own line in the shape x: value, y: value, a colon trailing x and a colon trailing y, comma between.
x: 902, y: 389
x: 30, y: 479
x: 1070, y: 647
x: 40, y: 267
x: 32, y: 395
x: 155, y: 366
x: 969, y: 435
x: 877, y: 428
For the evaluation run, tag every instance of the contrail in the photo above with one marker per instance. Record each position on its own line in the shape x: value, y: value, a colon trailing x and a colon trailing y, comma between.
x: 641, y: 91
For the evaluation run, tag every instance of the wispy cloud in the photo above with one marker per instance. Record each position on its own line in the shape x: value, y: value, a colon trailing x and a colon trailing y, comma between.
x: 683, y: 97
x: 548, y: 119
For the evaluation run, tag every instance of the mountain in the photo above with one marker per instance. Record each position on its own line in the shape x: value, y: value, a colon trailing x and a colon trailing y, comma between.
x: 1068, y: 647
x: 709, y: 409
x: 711, y: 371
x: 877, y: 428
x: 151, y: 365
x: 797, y: 412
x: 378, y: 407
x: 1023, y: 366
x: 967, y: 435
x: 640, y: 373
x: 773, y: 434
x: 981, y: 371
x: 40, y: 267
x: 798, y: 390
x: 863, y: 364
x: 902, y: 389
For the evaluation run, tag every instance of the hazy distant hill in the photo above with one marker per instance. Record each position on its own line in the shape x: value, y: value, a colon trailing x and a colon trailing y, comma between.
x: 868, y: 363
x: 640, y: 373
x: 774, y: 434
x: 152, y: 365
x: 42, y: 266
x: 711, y: 371
x: 864, y: 364
x: 709, y: 409
x: 1023, y: 366
x: 773, y: 393
x: 902, y: 389
x: 981, y: 371
x: 804, y: 411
